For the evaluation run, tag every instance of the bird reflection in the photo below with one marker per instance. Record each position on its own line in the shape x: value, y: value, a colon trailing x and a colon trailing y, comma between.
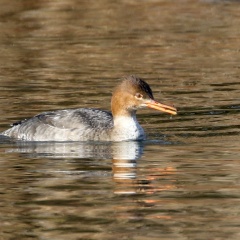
x: 123, y: 156
x: 131, y: 150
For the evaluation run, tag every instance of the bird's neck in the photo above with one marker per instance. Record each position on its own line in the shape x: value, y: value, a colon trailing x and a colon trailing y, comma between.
x: 127, y: 128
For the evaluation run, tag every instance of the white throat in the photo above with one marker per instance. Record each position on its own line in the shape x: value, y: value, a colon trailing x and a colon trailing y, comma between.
x: 127, y: 128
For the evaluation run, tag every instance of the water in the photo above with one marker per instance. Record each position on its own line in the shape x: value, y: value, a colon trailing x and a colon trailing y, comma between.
x: 183, y: 182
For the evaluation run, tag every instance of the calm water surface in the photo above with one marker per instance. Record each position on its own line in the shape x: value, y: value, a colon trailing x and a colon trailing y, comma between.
x: 184, y: 181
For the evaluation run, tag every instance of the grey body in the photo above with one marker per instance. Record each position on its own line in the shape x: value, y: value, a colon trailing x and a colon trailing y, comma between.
x: 64, y: 125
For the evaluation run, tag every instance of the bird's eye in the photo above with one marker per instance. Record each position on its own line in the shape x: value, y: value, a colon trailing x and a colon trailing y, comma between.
x: 138, y: 96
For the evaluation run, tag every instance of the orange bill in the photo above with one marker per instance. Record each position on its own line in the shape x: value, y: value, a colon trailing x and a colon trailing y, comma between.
x: 162, y: 107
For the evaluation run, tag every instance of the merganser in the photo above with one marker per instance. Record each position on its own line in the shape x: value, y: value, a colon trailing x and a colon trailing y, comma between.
x: 88, y: 124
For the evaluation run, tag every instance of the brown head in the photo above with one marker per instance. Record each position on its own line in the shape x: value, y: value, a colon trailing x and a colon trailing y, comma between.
x: 133, y: 93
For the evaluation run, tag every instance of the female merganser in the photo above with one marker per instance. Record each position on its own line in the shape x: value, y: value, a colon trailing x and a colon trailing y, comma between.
x: 87, y: 124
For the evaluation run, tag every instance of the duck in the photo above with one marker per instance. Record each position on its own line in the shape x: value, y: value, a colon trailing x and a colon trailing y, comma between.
x: 92, y: 124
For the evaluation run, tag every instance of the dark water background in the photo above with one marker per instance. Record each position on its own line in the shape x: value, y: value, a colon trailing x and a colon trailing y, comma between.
x: 184, y: 181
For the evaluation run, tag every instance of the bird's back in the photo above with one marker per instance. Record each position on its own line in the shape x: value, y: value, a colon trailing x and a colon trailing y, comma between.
x: 63, y: 125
